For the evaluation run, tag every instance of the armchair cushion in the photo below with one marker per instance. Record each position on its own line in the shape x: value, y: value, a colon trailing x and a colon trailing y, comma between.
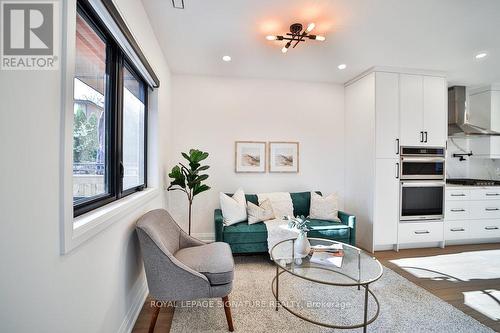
x: 214, y: 260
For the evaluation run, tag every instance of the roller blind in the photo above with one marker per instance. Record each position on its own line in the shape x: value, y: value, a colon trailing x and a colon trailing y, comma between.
x: 112, y: 19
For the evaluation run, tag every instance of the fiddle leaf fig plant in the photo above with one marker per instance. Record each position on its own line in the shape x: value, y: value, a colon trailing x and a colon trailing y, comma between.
x: 188, y: 178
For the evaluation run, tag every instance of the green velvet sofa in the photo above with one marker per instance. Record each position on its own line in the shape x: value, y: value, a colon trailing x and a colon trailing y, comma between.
x: 252, y: 238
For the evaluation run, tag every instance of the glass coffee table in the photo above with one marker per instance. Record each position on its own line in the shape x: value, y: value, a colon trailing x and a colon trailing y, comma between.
x: 329, y: 263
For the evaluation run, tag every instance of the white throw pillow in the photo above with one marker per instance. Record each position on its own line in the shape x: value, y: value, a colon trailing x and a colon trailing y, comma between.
x: 260, y: 213
x: 280, y: 201
x: 234, y: 209
x: 324, y: 208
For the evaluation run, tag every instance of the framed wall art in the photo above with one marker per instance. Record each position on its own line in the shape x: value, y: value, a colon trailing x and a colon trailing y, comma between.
x: 250, y: 156
x: 283, y: 157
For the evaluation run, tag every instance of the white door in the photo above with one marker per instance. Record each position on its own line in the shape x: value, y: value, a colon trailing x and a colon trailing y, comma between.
x: 411, y: 109
x: 387, y: 115
x: 386, y: 213
x: 435, y: 111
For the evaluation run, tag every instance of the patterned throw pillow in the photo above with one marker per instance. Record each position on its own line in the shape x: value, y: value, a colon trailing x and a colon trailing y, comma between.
x: 234, y: 209
x: 324, y: 208
x: 260, y: 213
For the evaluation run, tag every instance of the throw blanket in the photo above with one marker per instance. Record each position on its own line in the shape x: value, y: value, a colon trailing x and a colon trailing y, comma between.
x: 277, y: 229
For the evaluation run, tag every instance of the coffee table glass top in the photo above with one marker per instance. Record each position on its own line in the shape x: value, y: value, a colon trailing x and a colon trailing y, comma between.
x: 329, y: 262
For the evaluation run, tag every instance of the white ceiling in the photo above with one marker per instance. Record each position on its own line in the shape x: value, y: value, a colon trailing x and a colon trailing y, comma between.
x: 426, y: 34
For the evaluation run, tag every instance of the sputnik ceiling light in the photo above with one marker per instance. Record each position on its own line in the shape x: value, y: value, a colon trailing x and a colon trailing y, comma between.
x: 296, y: 35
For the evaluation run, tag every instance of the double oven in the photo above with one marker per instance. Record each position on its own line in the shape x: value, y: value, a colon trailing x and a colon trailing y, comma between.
x: 422, y: 183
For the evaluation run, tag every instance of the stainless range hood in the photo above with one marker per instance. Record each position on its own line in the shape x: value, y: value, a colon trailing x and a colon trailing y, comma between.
x: 458, y: 125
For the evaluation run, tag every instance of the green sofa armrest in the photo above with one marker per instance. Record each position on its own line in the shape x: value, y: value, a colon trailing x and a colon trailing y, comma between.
x: 349, y: 220
x: 219, y: 225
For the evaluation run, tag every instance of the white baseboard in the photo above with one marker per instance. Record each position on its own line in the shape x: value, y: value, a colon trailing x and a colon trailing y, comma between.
x: 140, y: 292
x: 204, y: 236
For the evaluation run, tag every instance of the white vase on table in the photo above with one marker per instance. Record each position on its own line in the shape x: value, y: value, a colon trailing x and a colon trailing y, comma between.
x: 302, y: 246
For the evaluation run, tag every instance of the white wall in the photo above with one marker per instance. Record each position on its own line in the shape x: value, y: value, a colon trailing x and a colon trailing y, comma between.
x: 211, y: 113
x: 94, y: 288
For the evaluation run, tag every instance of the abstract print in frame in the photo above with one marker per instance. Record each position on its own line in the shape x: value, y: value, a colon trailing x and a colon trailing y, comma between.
x: 284, y: 157
x: 250, y: 156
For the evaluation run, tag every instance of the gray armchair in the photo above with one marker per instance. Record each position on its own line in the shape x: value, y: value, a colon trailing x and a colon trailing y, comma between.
x: 180, y: 267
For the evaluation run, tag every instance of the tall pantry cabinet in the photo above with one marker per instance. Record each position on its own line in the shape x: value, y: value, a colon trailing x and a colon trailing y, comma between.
x: 386, y: 109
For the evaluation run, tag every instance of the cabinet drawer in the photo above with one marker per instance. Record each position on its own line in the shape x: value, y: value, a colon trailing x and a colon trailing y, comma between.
x: 457, y: 210
x: 486, y: 209
x: 457, y: 194
x: 485, y: 194
x: 485, y: 228
x: 456, y: 230
x: 420, y: 232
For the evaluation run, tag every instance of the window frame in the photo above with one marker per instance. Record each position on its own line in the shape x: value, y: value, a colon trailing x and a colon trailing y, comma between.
x: 115, y: 62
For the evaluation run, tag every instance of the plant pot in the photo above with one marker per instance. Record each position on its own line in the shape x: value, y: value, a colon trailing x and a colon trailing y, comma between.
x: 302, y: 246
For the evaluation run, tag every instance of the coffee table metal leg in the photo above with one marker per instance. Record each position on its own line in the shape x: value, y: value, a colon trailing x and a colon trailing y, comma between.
x: 277, y: 285
x: 366, y: 310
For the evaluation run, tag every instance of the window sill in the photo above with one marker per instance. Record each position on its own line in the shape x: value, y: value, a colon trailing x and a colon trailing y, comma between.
x: 90, y: 224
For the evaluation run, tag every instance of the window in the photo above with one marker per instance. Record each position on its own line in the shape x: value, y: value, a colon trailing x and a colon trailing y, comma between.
x: 109, y: 119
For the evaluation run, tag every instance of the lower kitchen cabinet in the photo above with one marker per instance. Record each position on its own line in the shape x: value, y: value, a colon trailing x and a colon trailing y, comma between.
x: 420, y: 232
x: 472, y: 213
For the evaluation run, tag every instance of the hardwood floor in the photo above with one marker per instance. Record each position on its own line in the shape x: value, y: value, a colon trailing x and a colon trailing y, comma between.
x: 449, y: 291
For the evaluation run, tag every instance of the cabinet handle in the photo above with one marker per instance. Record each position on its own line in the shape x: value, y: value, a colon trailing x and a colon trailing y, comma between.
x: 457, y: 210
x: 425, y: 140
x: 397, y: 170
x: 491, y: 228
x: 458, y: 195
x: 421, y: 136
x: 490, y: 209
x: 457, y: 229
x: 421, y: 232
x: 491, y: 194
x: 397, y: 146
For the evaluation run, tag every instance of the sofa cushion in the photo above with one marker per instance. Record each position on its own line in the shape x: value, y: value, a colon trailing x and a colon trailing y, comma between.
x: 245, y: 233
x: 214, y: 260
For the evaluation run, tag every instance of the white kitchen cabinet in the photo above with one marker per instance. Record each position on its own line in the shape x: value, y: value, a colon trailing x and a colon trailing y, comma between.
x: 472, y: 213
x: 411, y: 109
x: 387, y: 114
x: 383, y: 105
x: 386, y: 212
x: 435, y: 120
x: 454, y: 230
x: 484, y: 106
x: 421, y: 232
x: 423, y: 110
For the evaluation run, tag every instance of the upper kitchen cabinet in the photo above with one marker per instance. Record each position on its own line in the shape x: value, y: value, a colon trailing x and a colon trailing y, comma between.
x: 484, y: 108
x: 435, y: 111
x: 411, y: 109
x: 423, y: 110
x: 387, y: 114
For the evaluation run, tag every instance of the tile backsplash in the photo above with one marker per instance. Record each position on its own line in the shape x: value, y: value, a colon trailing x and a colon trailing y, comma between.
x: 474, y: 166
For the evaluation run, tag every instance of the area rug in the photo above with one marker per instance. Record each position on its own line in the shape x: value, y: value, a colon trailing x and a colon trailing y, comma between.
x: 404, y: 307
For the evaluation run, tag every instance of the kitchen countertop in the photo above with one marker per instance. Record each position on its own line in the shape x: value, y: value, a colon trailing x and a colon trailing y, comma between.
x: 451, y: 186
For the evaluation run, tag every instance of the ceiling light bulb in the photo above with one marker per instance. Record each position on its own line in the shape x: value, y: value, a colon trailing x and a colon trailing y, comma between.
x: 284, y: 49
x: 226, y: 58
x: 481, y: 55
x: 320, y: 38
x: 342, y: 66
x: 310, y: 27
x: 271, y: 37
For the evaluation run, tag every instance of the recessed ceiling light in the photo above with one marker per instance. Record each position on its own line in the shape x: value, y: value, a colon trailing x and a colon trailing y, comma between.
x: 342, y: 66
x: 481, y: 55
x: 226, y: 58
